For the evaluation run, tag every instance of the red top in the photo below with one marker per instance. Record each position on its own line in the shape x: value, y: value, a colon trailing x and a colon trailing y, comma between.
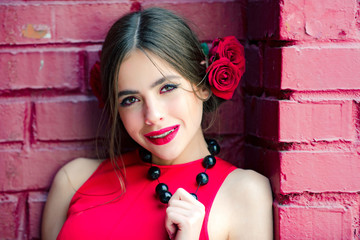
x: 98, y: 210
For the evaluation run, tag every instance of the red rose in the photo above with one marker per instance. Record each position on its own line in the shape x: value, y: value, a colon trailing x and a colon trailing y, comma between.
x: 135, y: 7
x: 95, y: 82
x: 230, y: 48
x: 224, y: 77
x: 213, y: 50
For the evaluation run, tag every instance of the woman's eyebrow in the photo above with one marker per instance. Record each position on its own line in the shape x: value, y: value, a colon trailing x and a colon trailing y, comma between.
x: 156, y: 83
x: 162, y: 80
x: 127, y: 92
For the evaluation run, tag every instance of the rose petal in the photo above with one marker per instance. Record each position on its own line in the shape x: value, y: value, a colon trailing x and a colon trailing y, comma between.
x: 223, y: 77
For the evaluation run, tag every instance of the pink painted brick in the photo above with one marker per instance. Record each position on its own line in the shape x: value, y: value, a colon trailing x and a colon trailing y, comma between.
x: 263, y: 19
x: 308, y: 121
x: 40, y: 166
x: 300, y: 171
x: 98, y: 17
x: 264, y: 161
x: 316, y: 121
x: 35, y: 169
x: 253, y: 77
x: 11, y: 170
x: 36, y: 202
x: 262, y: 117
x: 291, y: 20
x: 329, y: 222
x: 319, y: 67
x: 50, y: 22
x: 211, y: 19
x: 8, y: 212
x: 319, y: 172
x: 92, y: 54
x: 11, y: 113
x: 71, y: 118
x: 302, y: 20
x: 318, y: 20
x: 40, y: 69
x: 86, y: 21
x: 232, y: 149
x: 26, y: 23
x: 12, y: 215
x: 230, y: 117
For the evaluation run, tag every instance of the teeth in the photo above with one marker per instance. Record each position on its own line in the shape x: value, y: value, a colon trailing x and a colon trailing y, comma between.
x: 163, y: 135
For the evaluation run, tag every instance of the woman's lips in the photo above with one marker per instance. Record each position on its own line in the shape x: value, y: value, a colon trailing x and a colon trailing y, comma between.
x: 162, y: 136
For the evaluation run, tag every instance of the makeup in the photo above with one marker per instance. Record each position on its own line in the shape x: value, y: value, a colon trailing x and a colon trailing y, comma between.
x: 162, y: 136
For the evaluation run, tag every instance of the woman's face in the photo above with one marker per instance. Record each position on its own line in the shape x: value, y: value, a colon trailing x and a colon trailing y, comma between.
x: 160, y: 110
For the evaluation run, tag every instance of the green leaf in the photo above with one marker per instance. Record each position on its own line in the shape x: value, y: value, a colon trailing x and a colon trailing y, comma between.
x: 205, y: 48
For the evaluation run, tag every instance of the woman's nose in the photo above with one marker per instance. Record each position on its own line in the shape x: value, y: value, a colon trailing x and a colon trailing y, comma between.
x: 153, y: 112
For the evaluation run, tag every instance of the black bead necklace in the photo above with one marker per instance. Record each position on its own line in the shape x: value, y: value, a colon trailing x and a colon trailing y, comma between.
x: 162, y: 190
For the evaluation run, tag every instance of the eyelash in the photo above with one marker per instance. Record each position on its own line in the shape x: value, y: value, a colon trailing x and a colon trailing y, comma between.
x: 128, y: 101
x: 171, y: 86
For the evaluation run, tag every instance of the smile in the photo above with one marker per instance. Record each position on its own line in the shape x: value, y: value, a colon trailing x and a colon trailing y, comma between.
x: 162, y: 136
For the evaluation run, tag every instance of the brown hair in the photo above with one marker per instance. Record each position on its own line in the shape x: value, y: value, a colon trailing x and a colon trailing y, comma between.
x: 160, y: 32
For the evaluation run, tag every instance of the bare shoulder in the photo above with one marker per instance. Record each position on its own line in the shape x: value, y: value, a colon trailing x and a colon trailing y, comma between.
x: 245, y: 200
x: 250, y: 199
x: 247, y: 184
x: 79, y: 170
x: 66, y: 182
x: 246, y: 188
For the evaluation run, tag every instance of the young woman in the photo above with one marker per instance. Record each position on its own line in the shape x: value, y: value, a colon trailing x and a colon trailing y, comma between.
x: 156, y: 83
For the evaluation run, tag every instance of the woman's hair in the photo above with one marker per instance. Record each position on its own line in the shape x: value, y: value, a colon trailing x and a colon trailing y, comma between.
x: 161, y: 33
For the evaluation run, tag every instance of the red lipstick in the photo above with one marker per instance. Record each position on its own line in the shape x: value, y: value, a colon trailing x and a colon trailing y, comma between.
x: 162, y: 136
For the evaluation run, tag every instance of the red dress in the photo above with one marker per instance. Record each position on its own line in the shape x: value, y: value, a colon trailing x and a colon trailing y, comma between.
x: 98, y: 210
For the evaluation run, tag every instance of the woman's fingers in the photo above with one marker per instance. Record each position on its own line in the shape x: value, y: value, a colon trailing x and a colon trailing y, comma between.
x: 182, y: 194
x: 184, y: 216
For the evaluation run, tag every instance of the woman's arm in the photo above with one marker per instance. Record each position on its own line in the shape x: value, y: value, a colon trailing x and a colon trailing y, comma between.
x: 56, y: 206
x: 66, y: 182
x: 252, y: 200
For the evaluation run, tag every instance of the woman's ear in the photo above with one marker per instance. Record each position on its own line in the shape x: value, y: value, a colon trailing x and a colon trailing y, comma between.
x: 204, y: 93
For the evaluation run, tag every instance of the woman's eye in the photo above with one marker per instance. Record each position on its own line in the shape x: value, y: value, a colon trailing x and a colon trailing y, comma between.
x: 168, y: 88
x: 128, y: 101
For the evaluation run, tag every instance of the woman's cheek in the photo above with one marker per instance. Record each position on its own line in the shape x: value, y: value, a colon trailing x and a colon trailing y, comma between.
x: 129, y: 120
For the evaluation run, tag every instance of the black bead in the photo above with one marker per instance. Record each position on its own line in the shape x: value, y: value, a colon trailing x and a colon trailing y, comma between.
x: 145, y: 155
x: 154, y: 173
x: 160, y: 188
x: 202, y: 178
x: 209, y: 161
x: 194, y: 195
x: 213, y: 146
x: 165, y: 197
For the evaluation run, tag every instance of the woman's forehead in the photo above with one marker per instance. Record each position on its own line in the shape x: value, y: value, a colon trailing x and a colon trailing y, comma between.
x: 143, y: 65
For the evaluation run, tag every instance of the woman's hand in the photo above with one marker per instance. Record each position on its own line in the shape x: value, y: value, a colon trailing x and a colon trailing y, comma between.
x: 184, y: 216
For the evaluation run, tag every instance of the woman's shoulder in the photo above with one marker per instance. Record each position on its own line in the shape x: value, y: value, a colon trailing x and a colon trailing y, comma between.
x: 66, y: 182
x: 77, y: 171
x: 251, y: 198
x: 249, y: 188
x: 245, y: 200
x: 248, y: 181
x: 243, y: 180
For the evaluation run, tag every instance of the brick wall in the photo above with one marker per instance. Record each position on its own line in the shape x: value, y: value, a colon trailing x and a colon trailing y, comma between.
x: 296, y: 118
x: 48, y: 114
x: 302, y: 113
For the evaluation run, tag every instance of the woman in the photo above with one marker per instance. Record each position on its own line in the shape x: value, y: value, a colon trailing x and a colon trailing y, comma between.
x: 156, y: 84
